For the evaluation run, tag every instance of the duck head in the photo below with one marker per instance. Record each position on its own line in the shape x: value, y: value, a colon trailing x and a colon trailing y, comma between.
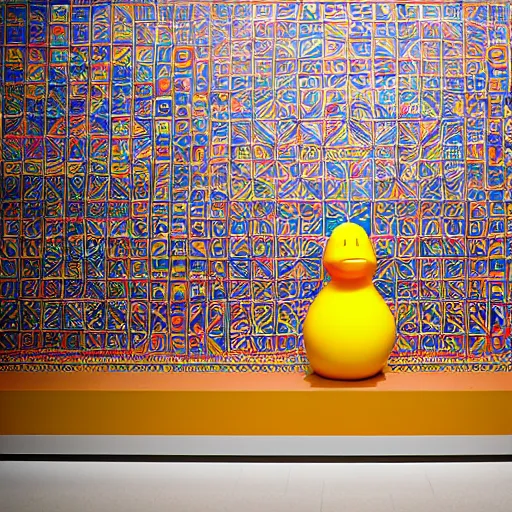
x: 349, y: 254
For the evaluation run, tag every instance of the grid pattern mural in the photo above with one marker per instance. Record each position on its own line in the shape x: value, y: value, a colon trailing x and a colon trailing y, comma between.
x: 170, y: 172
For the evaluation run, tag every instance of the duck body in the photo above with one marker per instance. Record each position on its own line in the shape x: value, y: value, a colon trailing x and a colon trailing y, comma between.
x: 349, y: 330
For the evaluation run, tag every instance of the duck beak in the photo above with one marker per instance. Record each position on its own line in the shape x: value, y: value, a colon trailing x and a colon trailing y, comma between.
x: 353, y: 266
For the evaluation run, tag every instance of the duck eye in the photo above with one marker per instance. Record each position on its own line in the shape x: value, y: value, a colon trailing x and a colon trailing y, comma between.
x: 357, y: 242
x: 345, y: 242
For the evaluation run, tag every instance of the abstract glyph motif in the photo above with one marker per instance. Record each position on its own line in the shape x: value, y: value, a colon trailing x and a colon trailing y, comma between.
x: 170, y: 172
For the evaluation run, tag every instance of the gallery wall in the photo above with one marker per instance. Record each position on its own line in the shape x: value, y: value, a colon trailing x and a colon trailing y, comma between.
x: 170, y: 172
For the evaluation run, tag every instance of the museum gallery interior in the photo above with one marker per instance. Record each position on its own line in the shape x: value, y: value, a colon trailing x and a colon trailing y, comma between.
x: 256, y: 238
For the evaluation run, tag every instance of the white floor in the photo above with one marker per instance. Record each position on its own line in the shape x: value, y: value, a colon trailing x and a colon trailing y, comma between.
x: 247, y: 487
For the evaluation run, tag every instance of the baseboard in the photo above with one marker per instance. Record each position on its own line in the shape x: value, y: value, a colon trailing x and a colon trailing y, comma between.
x: 257, y: 446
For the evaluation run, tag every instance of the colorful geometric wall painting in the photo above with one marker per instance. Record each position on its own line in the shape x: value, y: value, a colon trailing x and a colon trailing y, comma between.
x: 170, y: 172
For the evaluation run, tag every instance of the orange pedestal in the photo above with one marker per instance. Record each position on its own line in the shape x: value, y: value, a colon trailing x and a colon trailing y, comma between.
x: 393, y: 404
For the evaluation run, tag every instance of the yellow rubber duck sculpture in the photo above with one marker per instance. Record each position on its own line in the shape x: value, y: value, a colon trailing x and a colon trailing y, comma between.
x: 349, y: 331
